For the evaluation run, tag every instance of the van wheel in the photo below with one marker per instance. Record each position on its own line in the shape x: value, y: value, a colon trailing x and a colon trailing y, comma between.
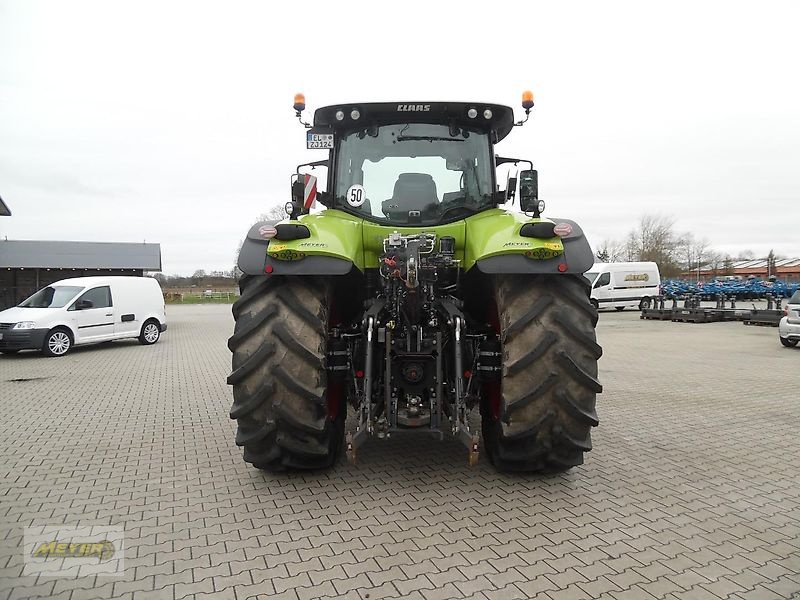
x: 620, y: 308
x: 645, y: 303
x: 788, y: 343
x: 58, y: 342
x: 595, y: 303
x: 151, y: 333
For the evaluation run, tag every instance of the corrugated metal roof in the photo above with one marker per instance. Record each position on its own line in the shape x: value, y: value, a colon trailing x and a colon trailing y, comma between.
x: 761, y: 263
x: 33, y: 254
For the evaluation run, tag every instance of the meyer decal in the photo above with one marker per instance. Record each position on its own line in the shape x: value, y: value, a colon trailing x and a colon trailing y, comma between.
x: 413, y: 108
x: 55, y: 549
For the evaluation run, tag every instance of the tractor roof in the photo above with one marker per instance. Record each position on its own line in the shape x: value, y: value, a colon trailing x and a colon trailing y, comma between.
x: 384, y: 113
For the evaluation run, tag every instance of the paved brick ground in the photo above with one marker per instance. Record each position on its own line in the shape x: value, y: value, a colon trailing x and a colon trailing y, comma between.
x: 692, y: 491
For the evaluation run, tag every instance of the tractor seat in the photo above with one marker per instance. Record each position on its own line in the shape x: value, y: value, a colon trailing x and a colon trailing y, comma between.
x: 412, y: 191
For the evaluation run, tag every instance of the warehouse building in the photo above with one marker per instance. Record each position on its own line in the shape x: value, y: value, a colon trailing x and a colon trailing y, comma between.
x: 28, y: 265
x: 784, y: 269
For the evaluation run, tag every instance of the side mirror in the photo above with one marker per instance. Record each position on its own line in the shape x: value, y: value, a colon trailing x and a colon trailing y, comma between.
x: 84, y: 304
x: 529, y: 192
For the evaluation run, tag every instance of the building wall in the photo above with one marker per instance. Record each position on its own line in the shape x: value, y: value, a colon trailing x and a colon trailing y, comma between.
x: 18, y: 284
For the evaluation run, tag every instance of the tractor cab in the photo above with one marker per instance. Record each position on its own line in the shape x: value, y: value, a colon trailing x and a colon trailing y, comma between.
x: 409, y: 164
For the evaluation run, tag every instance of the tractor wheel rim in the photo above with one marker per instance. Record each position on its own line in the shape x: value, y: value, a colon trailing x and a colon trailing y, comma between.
x: 151, y: 333
x: 58, y: 343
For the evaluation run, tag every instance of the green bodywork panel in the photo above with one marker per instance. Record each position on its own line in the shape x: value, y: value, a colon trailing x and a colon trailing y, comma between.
x: 335, y: 233
x: 496, y: 232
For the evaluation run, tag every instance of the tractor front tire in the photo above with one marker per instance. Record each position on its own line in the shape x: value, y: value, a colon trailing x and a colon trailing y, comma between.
x: 543, y: 419
x: 279, y: 378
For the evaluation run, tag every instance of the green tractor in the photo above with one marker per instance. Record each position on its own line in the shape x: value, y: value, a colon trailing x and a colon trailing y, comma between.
x: 414, y: 298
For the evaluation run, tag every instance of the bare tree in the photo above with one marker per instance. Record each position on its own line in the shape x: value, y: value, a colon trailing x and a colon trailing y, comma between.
x: 631, y: 250
x: 727, y: 265
x: 685, y: 251
x: 654, y: 239
x: 714, y: 262
x: 610, y: 251
x: 771, y: 267
x: 274, y: 213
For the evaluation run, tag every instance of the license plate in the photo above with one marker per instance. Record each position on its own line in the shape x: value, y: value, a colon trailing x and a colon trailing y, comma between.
x: 316, y: 141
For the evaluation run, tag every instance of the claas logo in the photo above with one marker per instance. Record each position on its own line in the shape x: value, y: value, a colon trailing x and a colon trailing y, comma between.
x: 103, y: 550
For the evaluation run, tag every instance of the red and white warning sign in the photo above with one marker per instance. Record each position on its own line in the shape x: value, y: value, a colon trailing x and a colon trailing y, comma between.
x: 310, y: 194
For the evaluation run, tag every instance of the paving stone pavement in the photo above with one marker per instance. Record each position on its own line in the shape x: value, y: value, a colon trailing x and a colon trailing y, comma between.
x: 692, y: 490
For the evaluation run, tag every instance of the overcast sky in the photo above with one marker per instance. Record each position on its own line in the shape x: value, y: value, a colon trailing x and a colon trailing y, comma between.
x: 171, y: 122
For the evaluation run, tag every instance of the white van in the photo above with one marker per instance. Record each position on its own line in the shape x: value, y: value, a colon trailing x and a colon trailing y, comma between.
x: 84, y: 310
x: 624, y: 284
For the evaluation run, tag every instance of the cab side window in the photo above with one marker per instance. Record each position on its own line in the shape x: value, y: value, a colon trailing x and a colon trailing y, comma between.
x: 604, y: 279
x: 100, y: 297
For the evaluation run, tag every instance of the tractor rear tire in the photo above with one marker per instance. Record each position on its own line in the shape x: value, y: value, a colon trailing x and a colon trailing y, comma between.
x: 279, y: 377
x: 542, y: 421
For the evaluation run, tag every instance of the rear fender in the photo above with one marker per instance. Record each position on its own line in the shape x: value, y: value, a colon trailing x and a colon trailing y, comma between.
x: 332, y: 247
x: 495, y: 245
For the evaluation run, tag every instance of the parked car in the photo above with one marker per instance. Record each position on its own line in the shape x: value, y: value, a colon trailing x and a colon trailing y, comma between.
x: 84, y: 310
x: 624, y: 284
x: 789, y: 327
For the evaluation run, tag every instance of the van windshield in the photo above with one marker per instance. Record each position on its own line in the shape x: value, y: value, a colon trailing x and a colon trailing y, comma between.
x: 591, y: 276
x: 52, y: 296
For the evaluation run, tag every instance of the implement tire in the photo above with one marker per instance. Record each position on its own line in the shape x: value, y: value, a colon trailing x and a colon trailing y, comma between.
x: 279, y: 378
x: 546, y: 409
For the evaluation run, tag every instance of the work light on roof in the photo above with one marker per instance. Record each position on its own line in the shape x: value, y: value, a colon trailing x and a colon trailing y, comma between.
x: 299, y: 106
x: 487, y: 114
x: 472, y: 113
x: 527, y: 104
x: 527, y: 99
x: 339, y: 115
x: 355, y: 114
x: 299, y: 102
